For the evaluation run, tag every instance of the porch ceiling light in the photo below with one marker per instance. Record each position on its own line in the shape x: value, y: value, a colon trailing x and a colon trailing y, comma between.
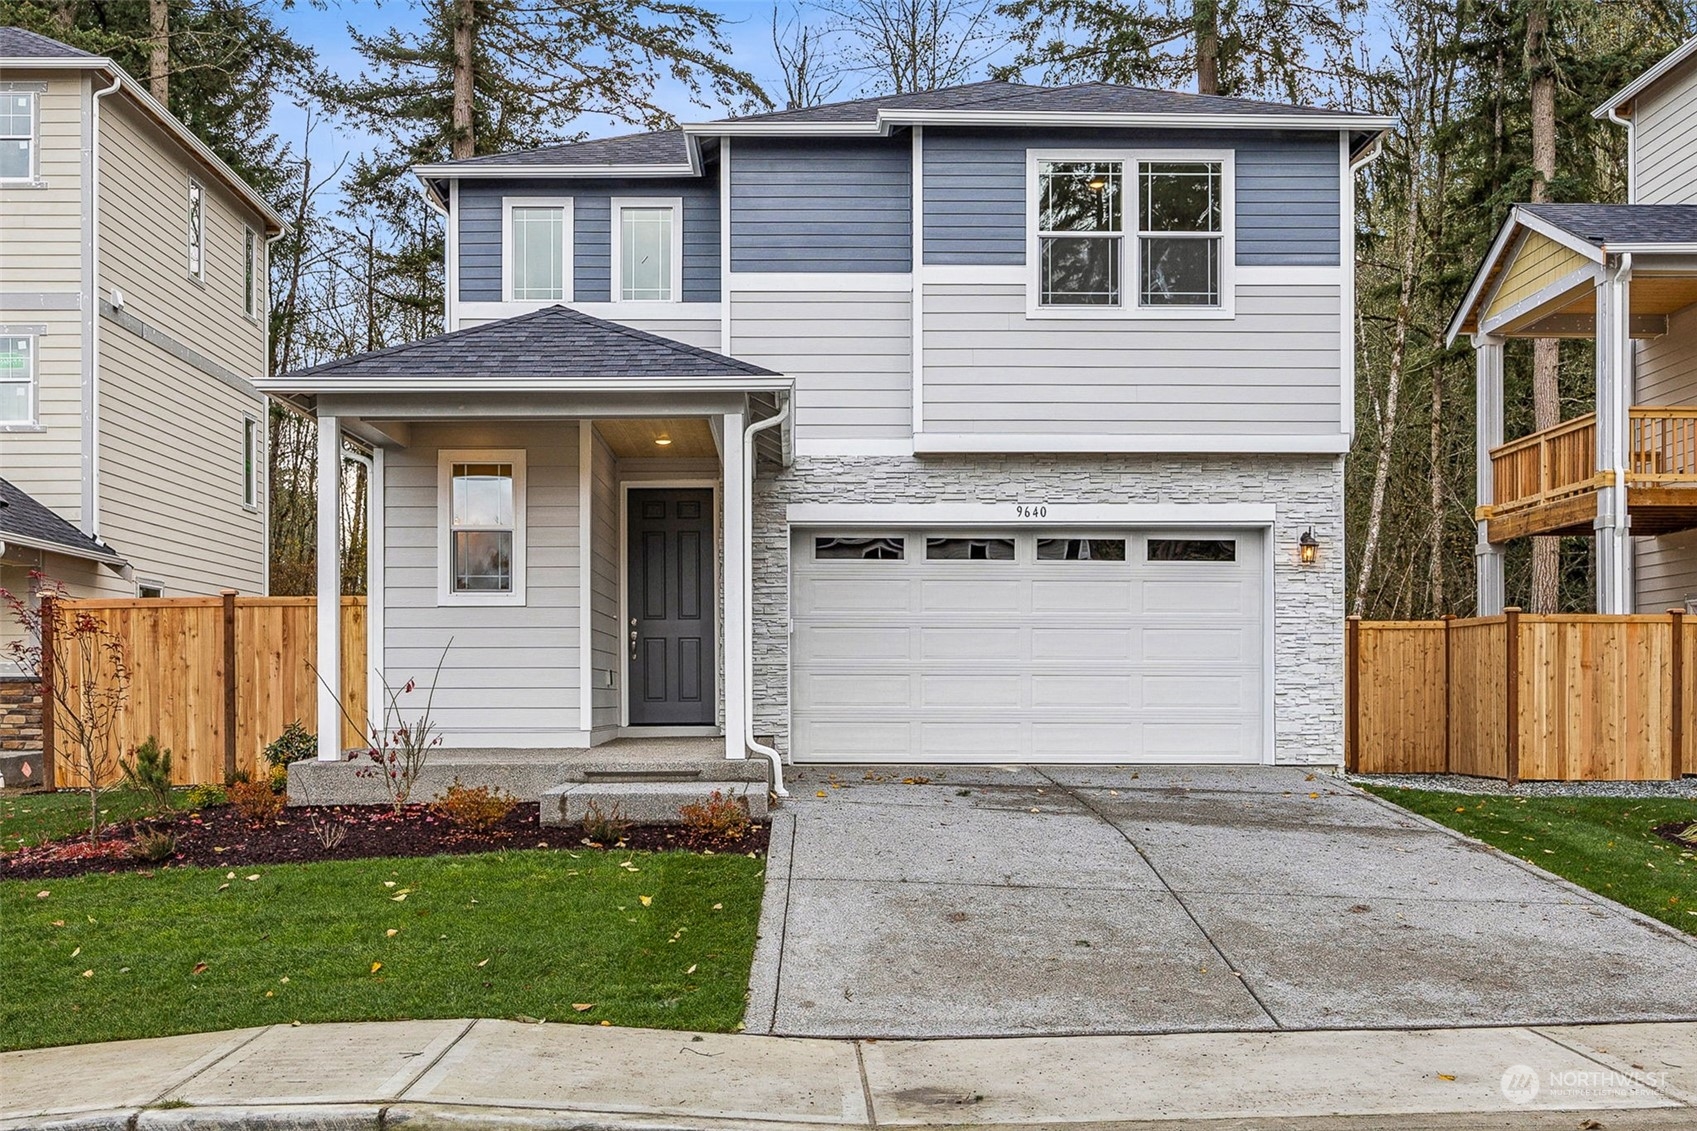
x: 1308, y: 548
x: 663, y: 440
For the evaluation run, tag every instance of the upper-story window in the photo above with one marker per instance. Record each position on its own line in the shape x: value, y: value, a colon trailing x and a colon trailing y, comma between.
x: 17, y: 135
x: 197, y: 230
x: 536, y: 250
x: 253, y: 456
x: 17, y: 379
x: 648, y: 250
x: 251, y: 272
x: 1131, y: 233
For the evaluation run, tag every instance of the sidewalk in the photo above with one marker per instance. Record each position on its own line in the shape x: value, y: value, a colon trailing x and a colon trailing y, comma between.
x: 502, y: 1074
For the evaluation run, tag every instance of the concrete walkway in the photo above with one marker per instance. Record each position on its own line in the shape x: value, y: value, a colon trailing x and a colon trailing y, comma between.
x: 500, y: 1074
x: 908, y: 902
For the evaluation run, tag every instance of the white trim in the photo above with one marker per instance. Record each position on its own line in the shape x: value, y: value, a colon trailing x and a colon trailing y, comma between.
x: 253, y: 448
x: 1130, y: 236
x: 787, y: 281
x: 1648, y: 79
x: 9, y: 538
x: 32, y: 336
x: 616, y: 251
x: 889, y: 118
x: 567, y: 226
x: 445, y: 460
x: 1296, y: 275
x: 1269, y: 649
x: 990, y: 443
x: 376, y: 593
x: 705, y: 383
x: 1687, y: 248
x: 1561, y: 235
x: 828, y: 446
x: 1346, y: 283
x: 1518, y: 221
x: 1008, y: 514
x: 328, y: 588
x: 725, y: 247
x: 625, y: 487
x: 612, y: 311
x: 451, y: 259
x: 975, y: 274
x: 586, y: 574
x: 32, y: 178
x: 916, y: 312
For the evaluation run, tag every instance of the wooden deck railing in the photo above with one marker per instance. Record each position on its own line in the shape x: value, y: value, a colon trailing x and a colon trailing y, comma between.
x: 1561, y: 462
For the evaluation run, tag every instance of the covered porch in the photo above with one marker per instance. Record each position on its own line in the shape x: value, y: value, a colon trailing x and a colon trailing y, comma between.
x: 558, y: 543
x: 1625, y: 277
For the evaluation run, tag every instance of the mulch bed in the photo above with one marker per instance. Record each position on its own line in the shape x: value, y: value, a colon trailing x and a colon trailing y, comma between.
x: 219, y: 836
x: 1682, y: 833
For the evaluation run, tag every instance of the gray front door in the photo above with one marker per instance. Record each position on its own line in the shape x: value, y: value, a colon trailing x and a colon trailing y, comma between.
x: 670, y: 599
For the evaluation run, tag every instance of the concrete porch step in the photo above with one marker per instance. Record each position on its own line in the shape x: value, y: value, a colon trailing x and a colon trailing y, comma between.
x: 645, y: 802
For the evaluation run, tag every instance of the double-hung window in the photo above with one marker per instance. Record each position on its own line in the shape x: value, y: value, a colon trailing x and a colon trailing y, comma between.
x: 536, y: 250
x: 481, y: 512
x: 647, y: 250
x: 17, y: 135
x: 197, y: 230
x: 17, y: 379
x: 1130, y: 233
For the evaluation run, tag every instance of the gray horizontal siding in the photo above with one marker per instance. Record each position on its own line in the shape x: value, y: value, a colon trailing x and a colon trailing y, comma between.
x: 592, y: 247
x: 821, y: 205
x: 1273, y: 370
x: 1287, y: 190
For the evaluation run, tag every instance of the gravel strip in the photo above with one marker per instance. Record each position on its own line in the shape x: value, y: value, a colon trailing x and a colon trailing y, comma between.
x: 1459, y: 783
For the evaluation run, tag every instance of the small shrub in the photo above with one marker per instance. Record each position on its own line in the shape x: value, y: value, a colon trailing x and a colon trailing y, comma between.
x: 718, y: 816
x: 255, y: 802
x: 204, y: 796
x: 278, y: 779
x: 295, y: 744
x: 154, y: 846
x: 148, y: 771
x: 475, y: 809
x: 329, y: 829
x: 604, y: 826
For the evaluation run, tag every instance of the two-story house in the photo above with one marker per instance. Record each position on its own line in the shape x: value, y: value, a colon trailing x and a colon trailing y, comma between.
x: 1000, y: 423
x: 1625, y: 277
x: 132, y: 330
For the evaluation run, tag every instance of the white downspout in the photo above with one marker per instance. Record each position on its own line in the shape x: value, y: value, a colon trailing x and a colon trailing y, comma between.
x: 92, y: 522
x: 747, y: 628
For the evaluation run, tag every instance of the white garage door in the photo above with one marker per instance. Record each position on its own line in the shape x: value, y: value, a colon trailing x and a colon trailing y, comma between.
x: 1028, y: 646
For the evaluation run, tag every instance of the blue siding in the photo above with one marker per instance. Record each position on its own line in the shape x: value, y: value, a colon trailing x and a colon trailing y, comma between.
x: 1287, y: 191
x: 821, y: 205
x: 592, y: 249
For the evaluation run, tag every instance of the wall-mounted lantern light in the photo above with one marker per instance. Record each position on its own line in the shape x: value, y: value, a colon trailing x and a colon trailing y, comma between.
x: 1308, y: 548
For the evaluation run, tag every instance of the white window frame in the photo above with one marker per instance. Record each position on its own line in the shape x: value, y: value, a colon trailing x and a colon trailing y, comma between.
x: 253, y: 455
x: 567, y: 227
x: 676, y: 205
x: 1131, y: 282
x: 197, y: 231
x: 31, y: 334
x: 446, y: 458
x: 253, y: 252
x: 33, y: 92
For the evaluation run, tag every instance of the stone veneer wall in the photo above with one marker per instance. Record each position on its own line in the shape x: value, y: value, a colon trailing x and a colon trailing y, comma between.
x: 1308, y: 603
x: 20, y: 714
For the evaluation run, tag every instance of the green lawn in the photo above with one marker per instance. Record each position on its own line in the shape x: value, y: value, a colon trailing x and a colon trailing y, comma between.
x: 1604, y: 844
x: 519, y: 934
x: 31, y: 818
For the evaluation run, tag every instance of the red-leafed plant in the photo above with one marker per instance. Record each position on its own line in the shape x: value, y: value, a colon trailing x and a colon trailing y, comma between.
x: 718, y: 816
x: 398, y: 749
x: 87, y: 688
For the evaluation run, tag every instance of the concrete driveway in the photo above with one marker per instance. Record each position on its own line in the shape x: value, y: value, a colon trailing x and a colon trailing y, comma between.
x: 994, y: 901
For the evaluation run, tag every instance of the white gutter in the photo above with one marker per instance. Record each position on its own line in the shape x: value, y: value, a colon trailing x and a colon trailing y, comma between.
x: 9, y: 539
x: 889, y: 118
x: 91, y: 355
x: 747, y: 628
x: 699, y: 384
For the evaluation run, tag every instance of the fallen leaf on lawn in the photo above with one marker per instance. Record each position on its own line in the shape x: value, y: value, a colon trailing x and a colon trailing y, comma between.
x: 123, y: 969
x: 397, y: 898
x: 388, y: 883
x: 376, y: 966
x: 691, y: 970
x: 270, y: 993
x: 482, y: 964
x: 76, y: 952
x: 229, y: 875
x: 255, y: 876
x: 1445, y: 1076
x: 583, y: 1006
x: 58, y: 922
x: 199, y: 968
x: 647, y: 900
x: 604, y: 1021
x: 284, y: 979
x: 721, y: 907
x: 390, y: 933
x: 88, y: 973
x: 222, y: 886
x: 42, y: 894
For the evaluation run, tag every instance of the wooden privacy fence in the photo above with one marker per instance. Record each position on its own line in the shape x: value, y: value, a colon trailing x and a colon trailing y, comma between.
x: 1556, y: 698
x: 214, y: 679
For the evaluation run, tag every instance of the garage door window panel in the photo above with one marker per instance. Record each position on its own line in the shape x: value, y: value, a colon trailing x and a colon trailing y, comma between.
x: 1192, y: 550
x: 1081, y: 549
x: 969, y: 549
x: 876, y: 549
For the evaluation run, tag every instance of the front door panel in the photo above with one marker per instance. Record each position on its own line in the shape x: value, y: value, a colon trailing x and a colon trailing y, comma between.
x: 669, y: 631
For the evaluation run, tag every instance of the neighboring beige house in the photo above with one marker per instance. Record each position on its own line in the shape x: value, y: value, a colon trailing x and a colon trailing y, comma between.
x: 132, y: 325
x: 1625, y: 276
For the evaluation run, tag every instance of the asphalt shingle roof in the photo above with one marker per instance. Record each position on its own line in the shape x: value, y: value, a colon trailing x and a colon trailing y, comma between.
x: 1604, y: 224
x: 23, y: 517
x: 554, y: 342
x: 17, y: 43
x: 663, y: 147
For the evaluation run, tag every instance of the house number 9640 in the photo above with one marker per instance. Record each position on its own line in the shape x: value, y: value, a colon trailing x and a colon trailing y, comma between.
x: 1027, y: 510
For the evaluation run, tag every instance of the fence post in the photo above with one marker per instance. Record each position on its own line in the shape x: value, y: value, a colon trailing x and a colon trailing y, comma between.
x: 49, y: 699
x: 1352, y: 695
x: 1511, y: 664
x: 1449, y: 684
x: 228, y: 597
x: 1676, y: 757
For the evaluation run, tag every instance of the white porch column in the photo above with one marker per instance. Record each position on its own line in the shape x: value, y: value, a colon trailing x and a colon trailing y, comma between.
x: 375, y: 593
x: 735, y: 585
x: 1614, y: 438
x: 1488, y: 392
x: 329, y: 660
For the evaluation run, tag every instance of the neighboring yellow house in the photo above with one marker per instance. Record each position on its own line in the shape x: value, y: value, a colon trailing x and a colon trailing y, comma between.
x: 132, y: 327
